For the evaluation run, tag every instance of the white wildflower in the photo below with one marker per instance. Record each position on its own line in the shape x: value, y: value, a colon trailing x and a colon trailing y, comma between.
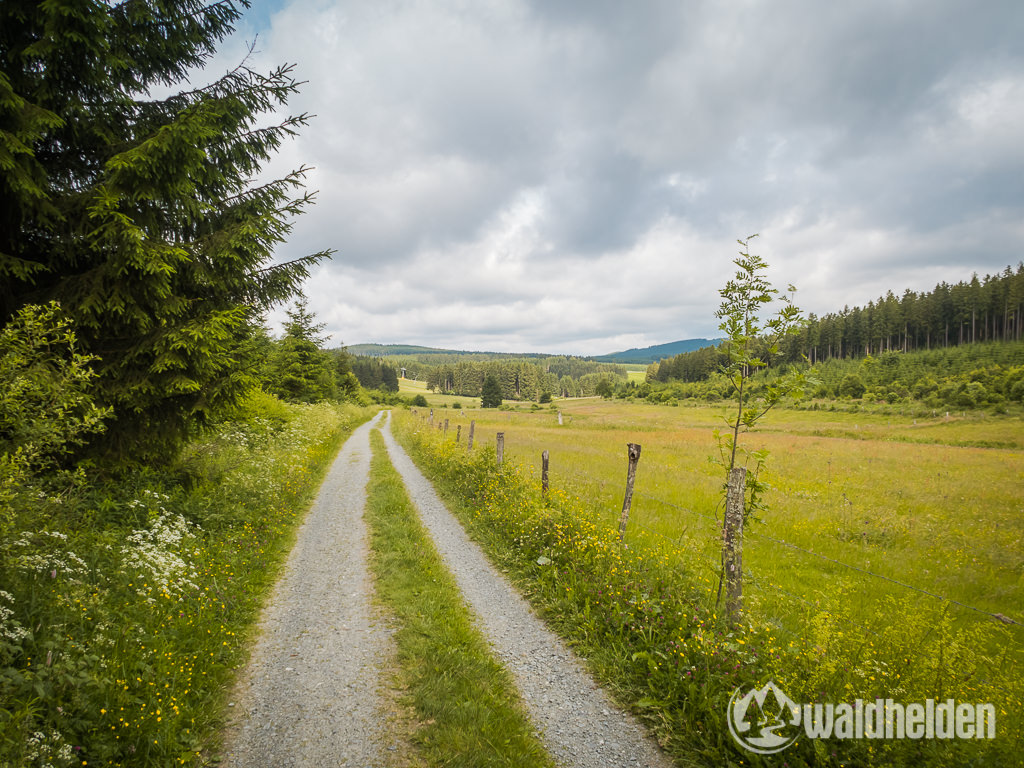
x: 157, y: 552
x: 10, y: 628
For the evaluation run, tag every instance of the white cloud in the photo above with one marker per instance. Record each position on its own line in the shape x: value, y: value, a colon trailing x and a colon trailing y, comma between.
x: 572, y: 177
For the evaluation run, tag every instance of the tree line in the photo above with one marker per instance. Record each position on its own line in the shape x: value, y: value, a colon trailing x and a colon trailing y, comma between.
x: 520, y: 380
x: 978, y: 310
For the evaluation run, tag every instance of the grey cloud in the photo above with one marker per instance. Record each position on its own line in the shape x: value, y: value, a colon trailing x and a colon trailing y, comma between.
x: 562, y: 172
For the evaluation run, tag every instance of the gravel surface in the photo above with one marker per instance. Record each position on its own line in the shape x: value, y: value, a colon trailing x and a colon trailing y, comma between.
x: 577, y: 721
x: 313, y: 693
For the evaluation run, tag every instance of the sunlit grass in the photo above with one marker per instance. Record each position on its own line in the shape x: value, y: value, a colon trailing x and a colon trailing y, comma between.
x: 646, y: 614
x: 940, y: 517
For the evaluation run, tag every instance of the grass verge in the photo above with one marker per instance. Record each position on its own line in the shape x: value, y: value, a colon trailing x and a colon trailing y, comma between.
x: 126, y: 606
x: 466, y: 703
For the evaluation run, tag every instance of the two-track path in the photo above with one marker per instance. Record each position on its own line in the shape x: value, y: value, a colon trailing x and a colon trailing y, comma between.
x: 313, y: 692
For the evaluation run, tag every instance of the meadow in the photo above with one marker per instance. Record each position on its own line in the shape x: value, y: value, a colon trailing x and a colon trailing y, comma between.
x: 879, y: 524
x: 905, y: 498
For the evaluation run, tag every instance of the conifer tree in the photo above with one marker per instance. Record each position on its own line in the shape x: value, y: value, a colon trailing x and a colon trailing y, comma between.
x: 490, y: 395
x: 301, y: 370
x: 140, y: 215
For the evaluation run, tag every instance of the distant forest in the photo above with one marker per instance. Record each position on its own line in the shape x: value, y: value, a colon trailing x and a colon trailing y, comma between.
x: 519, y: 380
x: 987, y: 309
x: 521, y: 377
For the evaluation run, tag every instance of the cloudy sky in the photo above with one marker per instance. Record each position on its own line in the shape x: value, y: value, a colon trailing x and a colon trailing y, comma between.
x: 571, y: 176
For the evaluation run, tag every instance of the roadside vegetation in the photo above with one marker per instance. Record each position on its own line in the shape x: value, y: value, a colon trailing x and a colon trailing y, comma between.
x: 127, y: 605
x: 646, y: 614
x: 467, y: 708
x: 158, y: 444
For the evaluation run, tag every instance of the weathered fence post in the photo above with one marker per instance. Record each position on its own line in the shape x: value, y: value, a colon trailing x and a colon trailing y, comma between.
x: 732, y: 544
x: 458, y: 433
x: 501, y: 447
x: 431, y: 417
x: 446, y: 427
x: 633, y: 450
x: 559, y: 418
x: 472, y: 426
x: 544, y: 474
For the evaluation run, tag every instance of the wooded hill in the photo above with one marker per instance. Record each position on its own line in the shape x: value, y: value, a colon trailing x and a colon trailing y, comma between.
x: 987, y: 309
x: 652, y: 354
x: 978, y: 310
x: 980, y: 375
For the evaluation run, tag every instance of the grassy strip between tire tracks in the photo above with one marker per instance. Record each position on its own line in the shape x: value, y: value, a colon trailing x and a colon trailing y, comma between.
x: 465, y: 701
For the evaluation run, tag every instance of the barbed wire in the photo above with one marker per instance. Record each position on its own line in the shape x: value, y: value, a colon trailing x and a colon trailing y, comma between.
x: 1002, y: 618
x: 749, y: 532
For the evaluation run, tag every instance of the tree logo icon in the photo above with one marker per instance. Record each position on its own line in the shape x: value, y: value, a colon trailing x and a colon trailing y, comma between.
x: 763, y: 720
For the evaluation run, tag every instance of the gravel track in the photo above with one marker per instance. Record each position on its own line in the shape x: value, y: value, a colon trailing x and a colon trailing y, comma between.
x: 313, y: 692
x: 577, y: 721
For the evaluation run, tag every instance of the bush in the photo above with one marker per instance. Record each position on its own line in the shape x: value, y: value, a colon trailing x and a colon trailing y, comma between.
x: 46, y: 387
x: 852, y: 386
x: 419, y: 401
x: 924, y: 387
x: 1017, y: 391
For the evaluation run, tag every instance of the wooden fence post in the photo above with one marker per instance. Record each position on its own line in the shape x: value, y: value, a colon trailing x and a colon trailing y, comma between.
x: 472, y: 426
x: 559, y: 418
x: 458, y: 433
x: 501, y: 447
x: 431, y: 417
x: 732, y: 545
x: 446, y: 427
x: 544, y: 474
x: 633, y: 450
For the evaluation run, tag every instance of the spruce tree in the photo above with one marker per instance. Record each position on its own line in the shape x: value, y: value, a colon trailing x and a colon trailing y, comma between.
x: 302, y: 371
x: 140, y: 215
x: 490, y: 396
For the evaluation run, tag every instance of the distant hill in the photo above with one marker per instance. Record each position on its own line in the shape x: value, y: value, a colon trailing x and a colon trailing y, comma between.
x: 387, y: 350
x: 434, y: 354
x: 635, y: 356
x: 647, y: 355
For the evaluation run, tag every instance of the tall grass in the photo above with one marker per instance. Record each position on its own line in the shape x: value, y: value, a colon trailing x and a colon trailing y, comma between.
x: 941, y: 517
x: 126, y: 606
x: 645, y: 614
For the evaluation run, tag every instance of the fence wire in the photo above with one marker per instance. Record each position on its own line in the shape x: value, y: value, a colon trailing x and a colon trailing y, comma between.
x: 749, y: 532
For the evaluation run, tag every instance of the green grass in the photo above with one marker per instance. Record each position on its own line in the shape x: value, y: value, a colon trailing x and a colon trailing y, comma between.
x: 411, y: 388
x: 880, y: 492
x: 466, y: 703
x: 938, y: 516
x: 637, y: 373
x: 138, y: 597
